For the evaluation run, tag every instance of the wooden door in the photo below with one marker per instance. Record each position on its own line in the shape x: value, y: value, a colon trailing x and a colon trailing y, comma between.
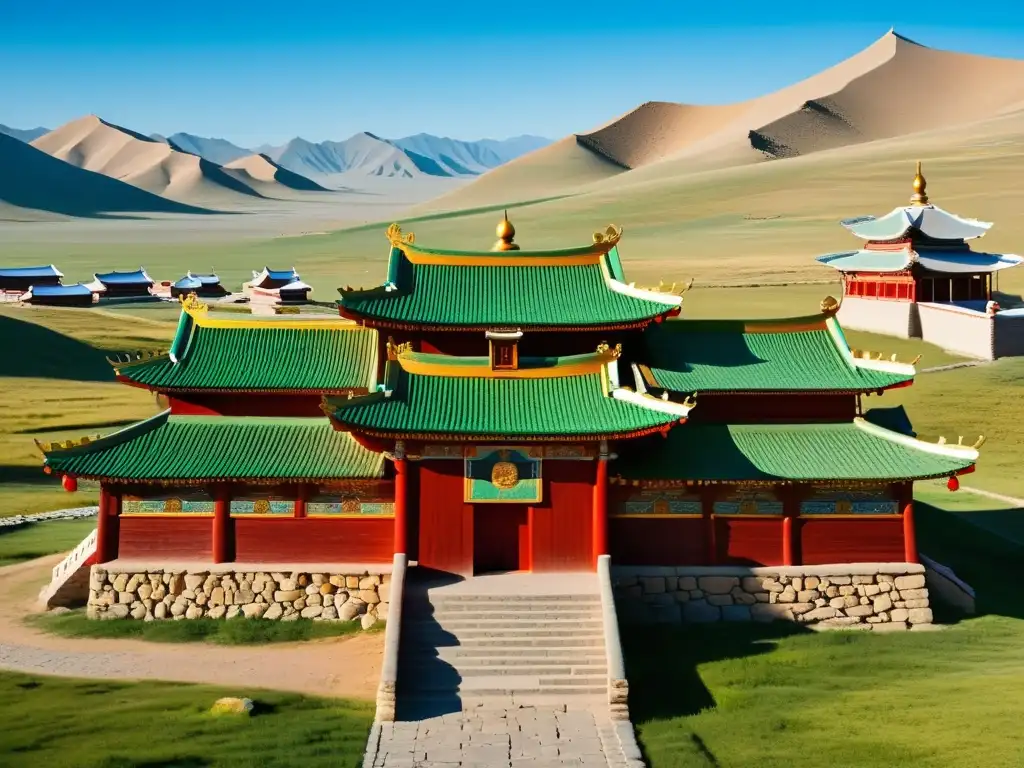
x: 500, y: 537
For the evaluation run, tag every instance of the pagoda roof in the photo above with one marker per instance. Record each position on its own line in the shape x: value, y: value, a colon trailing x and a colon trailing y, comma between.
x: 276, y: 276
x: 737, y: 453
x: 78, y: 289
x: 283, y: 353
x: 929, y: 220
x: 560, y: 398
x: 933, y: 259
x: 554, y: 289
x: 789, y: 355
x: 43, y: 271
x: 124, y: 278
x: 200, y: 449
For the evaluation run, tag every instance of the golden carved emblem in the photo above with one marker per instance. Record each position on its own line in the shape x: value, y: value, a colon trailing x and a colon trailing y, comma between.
x: 505, y: 474
x: 351, y: 507
x: 829, y: 305
x: 261, y: 507
x: 843, y: 507
x: 661, y: 507
x: 748, y: 507
x: 172, y: 506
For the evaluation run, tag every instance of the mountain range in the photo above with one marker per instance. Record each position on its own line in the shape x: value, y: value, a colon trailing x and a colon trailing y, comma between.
x: 895, y: 87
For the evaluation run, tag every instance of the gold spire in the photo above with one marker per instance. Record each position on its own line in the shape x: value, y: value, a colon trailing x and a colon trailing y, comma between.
x: 505, y: 232
x: 920, y: 196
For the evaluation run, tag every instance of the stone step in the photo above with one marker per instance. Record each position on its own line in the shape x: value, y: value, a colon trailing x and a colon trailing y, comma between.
x: 565, y: 614
x: 416, y: 704
x: 437, y: 599
x: 524, y: 641
x: 505, y: 684
x: 448, y: 652
x: 524, y: 606
x: 540, y: 621
x: 431, y: 631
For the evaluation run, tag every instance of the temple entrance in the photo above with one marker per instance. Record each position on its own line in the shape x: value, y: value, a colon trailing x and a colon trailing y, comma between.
x: 501, y: 536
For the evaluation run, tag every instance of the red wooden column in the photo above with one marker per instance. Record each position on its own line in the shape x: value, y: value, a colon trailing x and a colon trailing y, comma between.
x: 600, y: 510
x: 300, y: 500
x: 222, y: 526
x: 790, y: 510
x: 401, y: 498
x: 707, y: 508
x: 909, y: 534
x: 104, y: 529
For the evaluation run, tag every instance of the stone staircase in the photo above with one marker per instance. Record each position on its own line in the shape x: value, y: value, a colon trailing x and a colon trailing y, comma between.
x: 69, y: 581
x: 486, y: 642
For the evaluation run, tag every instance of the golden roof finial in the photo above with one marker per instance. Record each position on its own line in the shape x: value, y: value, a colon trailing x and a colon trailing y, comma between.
x: 505, y: 232
x: 920, y: 196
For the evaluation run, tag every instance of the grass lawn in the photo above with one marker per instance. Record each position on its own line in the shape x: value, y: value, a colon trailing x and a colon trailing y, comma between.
x: 237, y: 631
x: 732, y: 695
x: 52, y: 721
x: 27, y: 542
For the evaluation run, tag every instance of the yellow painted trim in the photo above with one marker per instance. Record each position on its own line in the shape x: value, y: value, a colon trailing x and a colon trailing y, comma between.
x: 748, y: 516
x: 593, y: 364
x: 541, y: 259
x: 833, y: 516
x: 203, y: 319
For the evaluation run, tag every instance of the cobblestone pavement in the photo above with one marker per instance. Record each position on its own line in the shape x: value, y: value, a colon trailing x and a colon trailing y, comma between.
x: 530, y: 737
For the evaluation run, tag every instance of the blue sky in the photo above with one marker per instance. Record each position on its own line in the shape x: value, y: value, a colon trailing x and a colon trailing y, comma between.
x: 265, y: 72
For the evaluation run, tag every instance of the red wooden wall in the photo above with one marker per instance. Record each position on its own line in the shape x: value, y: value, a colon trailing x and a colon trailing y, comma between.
x: 186, y: 538
x: 562, y: 524
x: 314, y: 540
x: 656, y: 540
x: 748, y: 540
x: 848, y: 540
x: 445, y: 522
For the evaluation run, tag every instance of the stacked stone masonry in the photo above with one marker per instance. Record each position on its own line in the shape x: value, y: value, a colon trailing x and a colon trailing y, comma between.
x: 156, y: 594
x: 885, y: 597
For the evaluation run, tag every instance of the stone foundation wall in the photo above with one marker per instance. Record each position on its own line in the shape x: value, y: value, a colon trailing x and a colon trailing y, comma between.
x: 882, y: 597
x: 153, y: 595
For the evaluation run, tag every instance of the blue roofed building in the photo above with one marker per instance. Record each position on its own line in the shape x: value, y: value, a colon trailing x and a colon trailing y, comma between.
x: 19, y: 279
x: 77, y: 295
x: 113, y: 285
x: 205, y: 286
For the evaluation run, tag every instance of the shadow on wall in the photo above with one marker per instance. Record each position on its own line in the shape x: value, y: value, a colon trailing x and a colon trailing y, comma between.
x: 36, y: 351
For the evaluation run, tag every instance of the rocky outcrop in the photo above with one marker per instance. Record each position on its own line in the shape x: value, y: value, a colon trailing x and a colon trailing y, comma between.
x: 276, y: 596
x: 76, y: 513
x: 882, y: 597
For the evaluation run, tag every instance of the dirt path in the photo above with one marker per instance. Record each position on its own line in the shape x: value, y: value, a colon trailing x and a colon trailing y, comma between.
x: 346, y: 667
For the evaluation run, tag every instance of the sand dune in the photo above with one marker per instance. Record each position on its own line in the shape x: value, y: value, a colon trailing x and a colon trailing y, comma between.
x: 892, y: 88
x: 161, y: 168
x: 256, y: 170
x: 32, y: 179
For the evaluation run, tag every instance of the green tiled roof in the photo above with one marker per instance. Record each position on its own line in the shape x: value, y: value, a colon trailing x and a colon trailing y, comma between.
x: 269, y: 355
x: 166, y: 448
x: 733, y: 356
x: 497, y: 408
x: 854, y: 450
x: 575, y: 295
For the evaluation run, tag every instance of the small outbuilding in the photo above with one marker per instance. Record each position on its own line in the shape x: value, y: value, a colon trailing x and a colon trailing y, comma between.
x: 205, y: 286
x: 20, y: 279
x: 77, y: 295
x: 118, y: 285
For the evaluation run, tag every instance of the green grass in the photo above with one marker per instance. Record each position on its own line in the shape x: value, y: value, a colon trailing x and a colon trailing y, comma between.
x: 27, y: 542
x: 237, y: 631
x: 730, y: 695
x: 51, y: 722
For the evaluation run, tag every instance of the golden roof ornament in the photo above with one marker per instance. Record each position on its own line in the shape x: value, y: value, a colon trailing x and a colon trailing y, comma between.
x: 610, y: 236
x: 829, y: 305
x: 920, y: 196
x: 506, y: 233
x: 397, y: 238
x: 191, y: 303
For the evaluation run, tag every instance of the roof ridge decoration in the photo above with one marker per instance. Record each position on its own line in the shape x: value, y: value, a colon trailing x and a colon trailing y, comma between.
x: 609, y: 237
x: 940, y: 447
x: 397, y: 238
x: 131, y: 358
x: 453, y: 366
x: 192, y: 304
x: 920, y: 196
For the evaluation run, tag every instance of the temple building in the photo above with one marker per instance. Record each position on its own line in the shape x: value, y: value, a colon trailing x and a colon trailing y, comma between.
x: 19, y: 279
x: 510, y: 410
x: 122, y: 285
x: 277, y: 286
x: 77, y: 295
x: 916, y: 276
x: 203, y: 286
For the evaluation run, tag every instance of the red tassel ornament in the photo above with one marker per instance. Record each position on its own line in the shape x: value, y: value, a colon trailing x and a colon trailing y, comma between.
x: 70, y: 483
x: 953, y: 483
